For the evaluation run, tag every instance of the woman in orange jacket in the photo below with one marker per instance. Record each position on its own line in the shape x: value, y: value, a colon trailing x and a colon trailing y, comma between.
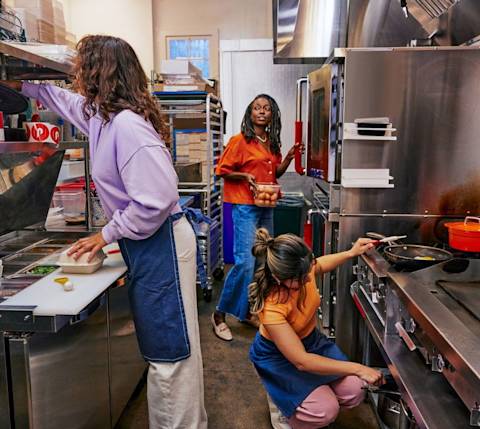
x: 251, y: 157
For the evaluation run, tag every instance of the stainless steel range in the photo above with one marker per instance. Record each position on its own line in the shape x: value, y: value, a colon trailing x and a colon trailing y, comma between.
x: 426, y: 325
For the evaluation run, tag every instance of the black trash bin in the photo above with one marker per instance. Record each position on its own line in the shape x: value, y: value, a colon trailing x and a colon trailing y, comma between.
x: 289, y: 214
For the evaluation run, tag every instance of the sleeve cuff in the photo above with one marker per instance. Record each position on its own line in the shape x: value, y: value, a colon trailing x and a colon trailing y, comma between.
x: 30, y: 89
x: 110, y: 233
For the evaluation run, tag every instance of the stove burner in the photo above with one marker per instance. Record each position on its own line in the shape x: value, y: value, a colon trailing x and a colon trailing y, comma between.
x: 456, y: 266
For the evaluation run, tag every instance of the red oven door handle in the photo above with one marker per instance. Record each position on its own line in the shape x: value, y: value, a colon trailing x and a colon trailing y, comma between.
x: 298, y: 154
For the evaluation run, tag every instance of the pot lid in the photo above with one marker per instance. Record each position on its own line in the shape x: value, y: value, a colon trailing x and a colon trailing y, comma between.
x: 12, y: 101
x: 470, y: 224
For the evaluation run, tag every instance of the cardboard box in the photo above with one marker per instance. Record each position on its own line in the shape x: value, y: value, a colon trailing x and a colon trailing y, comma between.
x: 188, y: 123
x: 203, y: 87
x: 42, y: 9
x: 46, y: 32
x: 70, y: 40
x: 179, y: 67
x: 29, y: 23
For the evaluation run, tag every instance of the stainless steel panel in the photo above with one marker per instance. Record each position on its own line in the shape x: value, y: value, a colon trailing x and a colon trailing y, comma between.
x: 21, y: 409
x: 431, y: 97
x: 4, y: 384
x: 377, y: 23
x: 126, y: 362
x: 308, y: 30
x: 431, y: 399
x: 22, y: 64
x: 350, y: 228
x: 29, y: 181
x: 61, y: 380
x: 439, y: 316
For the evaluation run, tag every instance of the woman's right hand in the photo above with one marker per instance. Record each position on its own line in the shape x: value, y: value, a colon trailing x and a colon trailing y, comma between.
x: 370, y: 375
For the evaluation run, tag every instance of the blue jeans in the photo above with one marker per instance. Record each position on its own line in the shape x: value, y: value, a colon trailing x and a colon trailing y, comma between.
x: 246, y: 220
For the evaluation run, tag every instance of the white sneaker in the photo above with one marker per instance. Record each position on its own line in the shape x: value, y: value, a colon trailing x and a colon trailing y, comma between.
x: 278, y: 420
x: 221, y: 330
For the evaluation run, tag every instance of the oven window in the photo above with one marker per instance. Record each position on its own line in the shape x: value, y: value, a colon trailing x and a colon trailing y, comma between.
x: 319, y: 122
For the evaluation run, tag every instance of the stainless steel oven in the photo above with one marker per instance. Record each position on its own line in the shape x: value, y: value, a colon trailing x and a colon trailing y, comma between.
x: 324, y: 96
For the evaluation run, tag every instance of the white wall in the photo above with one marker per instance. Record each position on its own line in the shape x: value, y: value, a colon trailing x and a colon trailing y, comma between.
x: 220, y: 19
x: 128, y: 19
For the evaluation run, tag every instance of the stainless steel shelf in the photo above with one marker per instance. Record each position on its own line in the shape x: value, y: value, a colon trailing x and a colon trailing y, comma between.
x: 20, y: 63
x: 207, y: 109
x: 10, y: 147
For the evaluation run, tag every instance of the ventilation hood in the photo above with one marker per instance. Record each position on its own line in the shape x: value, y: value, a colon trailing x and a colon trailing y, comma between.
x: 307, y: 31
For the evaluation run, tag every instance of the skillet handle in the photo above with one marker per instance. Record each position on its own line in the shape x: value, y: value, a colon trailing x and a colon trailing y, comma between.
x: 474, y: 218
x: 375, y: 235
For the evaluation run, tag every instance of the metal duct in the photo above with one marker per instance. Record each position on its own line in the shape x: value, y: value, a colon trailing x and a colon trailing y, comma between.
x: 307, y: 31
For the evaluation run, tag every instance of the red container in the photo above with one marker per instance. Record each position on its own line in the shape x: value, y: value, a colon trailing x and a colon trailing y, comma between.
x: 464, y: 235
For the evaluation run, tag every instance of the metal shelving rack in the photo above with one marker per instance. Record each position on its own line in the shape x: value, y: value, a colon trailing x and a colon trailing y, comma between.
x: 209, y: 109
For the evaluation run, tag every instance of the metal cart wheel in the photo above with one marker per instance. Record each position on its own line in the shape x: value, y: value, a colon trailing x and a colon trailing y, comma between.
x: 207, y: 295
x: 218, y: 273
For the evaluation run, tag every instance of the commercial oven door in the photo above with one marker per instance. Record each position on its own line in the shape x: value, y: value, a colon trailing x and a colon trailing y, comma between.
x: 323, y: 118
x: 61, y: 380
x: 126, y: 362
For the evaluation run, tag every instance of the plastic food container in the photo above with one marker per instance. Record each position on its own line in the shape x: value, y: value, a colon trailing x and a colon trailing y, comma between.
x: 72, y: 202
x: 80, y: 266
x: 266, y: 195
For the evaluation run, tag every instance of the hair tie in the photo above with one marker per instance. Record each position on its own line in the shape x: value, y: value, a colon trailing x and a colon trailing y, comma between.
x: 270, y: 242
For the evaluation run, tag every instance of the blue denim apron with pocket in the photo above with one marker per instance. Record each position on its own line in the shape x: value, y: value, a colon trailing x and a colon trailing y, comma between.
x: 155, y: 294
x: 287, y: 386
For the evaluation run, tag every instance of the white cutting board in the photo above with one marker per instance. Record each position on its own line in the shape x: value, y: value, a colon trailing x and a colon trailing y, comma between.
x: 52, y: 300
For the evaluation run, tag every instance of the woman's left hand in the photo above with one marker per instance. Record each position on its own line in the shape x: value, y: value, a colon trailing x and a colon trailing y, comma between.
x: 91, y: 244
x: 361, y: 246
x: 291, y: 152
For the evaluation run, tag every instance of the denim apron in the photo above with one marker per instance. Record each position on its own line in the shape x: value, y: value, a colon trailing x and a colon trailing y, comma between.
x: 154, y: 291
x: 287, y: 386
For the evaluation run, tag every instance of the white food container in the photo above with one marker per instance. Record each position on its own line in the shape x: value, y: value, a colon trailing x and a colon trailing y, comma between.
x: 80, y: 266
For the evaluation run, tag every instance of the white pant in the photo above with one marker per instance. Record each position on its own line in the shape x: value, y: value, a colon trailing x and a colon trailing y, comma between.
x: 175, y: 390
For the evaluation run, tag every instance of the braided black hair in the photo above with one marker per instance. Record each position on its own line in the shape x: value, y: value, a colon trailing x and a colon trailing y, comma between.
x: 273, y: 129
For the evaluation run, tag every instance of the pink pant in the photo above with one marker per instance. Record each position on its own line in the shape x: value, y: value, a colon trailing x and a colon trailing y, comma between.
x: 321, y: 407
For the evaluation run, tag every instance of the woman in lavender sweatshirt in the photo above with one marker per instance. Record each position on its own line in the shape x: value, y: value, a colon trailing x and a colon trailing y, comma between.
x: 137, y: 186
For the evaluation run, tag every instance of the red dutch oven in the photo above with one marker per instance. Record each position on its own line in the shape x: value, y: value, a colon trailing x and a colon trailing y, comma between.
x: 464, y: 235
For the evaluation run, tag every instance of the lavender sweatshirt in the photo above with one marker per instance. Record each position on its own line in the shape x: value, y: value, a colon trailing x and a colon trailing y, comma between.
x: 131, y: 166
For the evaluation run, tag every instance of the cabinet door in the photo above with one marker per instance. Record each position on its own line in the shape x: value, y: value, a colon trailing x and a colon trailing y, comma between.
x: 126, y: 362
x: 61, y: 380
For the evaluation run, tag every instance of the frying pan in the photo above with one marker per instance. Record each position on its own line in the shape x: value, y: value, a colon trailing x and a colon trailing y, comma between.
x: 413, y: 256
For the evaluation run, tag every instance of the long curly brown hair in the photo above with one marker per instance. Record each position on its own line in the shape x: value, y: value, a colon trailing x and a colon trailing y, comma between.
x: 109, y: 75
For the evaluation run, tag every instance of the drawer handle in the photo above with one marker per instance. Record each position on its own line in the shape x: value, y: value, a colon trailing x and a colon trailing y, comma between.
x: 405, y: 337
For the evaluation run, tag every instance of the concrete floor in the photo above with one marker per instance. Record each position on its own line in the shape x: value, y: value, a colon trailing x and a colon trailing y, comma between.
x: 234, y: 396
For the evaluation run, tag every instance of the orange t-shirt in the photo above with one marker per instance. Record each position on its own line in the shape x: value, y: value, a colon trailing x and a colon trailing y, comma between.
x: 277, y: 311
x: 246, y: 157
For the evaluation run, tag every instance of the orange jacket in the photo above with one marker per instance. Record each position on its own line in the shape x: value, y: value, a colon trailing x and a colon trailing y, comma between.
x: 246, y: 157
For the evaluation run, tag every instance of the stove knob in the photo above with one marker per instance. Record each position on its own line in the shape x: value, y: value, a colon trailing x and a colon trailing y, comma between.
x: 438, y: 364
x: 410, y: 325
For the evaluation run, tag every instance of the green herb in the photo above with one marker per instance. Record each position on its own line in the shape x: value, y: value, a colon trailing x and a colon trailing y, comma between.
x: 43, y: 269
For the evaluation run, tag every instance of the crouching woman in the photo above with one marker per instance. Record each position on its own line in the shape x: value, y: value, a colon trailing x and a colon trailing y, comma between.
x: 306, y: 375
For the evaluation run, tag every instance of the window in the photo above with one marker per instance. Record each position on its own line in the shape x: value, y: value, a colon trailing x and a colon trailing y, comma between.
x: 196, y: 49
